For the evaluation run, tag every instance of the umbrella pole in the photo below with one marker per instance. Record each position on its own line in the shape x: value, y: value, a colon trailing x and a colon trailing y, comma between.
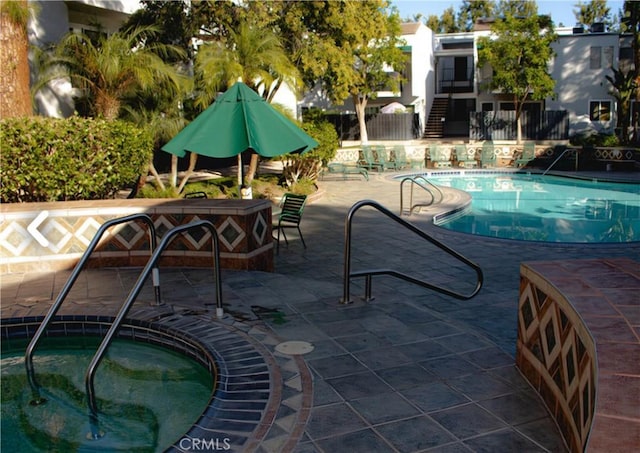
x: 240, y: 172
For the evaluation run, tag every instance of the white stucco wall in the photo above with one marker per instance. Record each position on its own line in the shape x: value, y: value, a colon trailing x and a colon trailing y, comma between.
x: 577, y: 84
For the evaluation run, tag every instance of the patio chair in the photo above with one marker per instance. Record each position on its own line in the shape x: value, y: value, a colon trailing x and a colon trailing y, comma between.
x: 466, y: 157
x: 381, y: 155
x: 368, y: 160
x: 527, y: 155
x: 292, y: 206
x: 440, y: 156
x: 488, y: 155
x: 400, y: 156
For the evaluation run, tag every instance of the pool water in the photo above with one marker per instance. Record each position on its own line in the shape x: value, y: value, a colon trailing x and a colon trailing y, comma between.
x: 545, y: 208
x: 147, y: 397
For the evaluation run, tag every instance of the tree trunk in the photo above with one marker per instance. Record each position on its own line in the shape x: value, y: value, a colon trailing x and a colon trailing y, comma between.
x: 15, y: 97
x: 253, y: 169
x: 360, y: 105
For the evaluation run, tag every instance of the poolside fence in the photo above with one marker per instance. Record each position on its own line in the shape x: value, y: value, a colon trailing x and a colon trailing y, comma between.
x: 501, y: 125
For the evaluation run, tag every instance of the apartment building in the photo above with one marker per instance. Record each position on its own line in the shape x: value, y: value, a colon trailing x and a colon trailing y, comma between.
x: 443, y: 82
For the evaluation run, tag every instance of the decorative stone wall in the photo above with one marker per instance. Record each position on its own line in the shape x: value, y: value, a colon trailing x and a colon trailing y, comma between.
x: 578, y: 346
x: 243, y: 226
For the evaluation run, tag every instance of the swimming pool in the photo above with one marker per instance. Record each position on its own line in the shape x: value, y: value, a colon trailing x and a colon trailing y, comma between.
x: 544, y: 208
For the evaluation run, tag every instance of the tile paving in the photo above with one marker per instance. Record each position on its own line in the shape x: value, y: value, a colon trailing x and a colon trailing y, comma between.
x: 409, y: 371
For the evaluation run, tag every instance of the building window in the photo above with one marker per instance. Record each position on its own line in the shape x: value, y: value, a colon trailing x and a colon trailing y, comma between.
x: 600, y: 110
x: 600, y: 57
x: 595, y: 59
x: 487, y: 106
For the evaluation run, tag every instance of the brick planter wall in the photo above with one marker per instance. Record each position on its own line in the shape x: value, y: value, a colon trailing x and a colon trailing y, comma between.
x: 243, y: 226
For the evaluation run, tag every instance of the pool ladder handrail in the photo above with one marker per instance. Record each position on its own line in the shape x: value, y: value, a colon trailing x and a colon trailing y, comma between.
x: 135, y: 291
x: 348, y: 274
x: 560, y: 157
x: 416, y: 181
x: 28, y: 358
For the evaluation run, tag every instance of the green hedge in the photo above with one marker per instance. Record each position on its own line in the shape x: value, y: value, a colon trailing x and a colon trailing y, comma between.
x: 49, y: 159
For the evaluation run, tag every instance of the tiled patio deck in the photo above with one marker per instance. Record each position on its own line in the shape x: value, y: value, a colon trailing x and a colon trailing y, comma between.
x: 410, y: 371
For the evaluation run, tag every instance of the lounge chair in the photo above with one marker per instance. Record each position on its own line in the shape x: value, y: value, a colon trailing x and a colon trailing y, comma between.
x: 292, y: 206
x: 488, y: 155
x: 527, y: 155
x: 466, y: 157
x: 440, y: 156
x: 345, y: 169
x: 381, y: 155
x: 400, y: 156
x: 368, y: 160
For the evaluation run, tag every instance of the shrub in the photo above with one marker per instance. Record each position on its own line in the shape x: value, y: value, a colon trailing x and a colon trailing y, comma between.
x: 49, y: 159
x: 308, y: 165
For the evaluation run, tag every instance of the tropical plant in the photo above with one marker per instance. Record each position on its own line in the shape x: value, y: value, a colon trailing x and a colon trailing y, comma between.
x: 252, y: 55
x: 623, y: 88
x: 112, y: 69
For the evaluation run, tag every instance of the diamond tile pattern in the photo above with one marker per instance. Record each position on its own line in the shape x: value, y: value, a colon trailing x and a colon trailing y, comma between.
x: 243, y: 233
x: 565, y: 346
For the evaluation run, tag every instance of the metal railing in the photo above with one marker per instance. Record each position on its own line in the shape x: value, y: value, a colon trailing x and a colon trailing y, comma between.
x: 168, y: 237
x: 558, y: 158
x: 424, y: 183
x: 348, y: 274
x: 28, y: 358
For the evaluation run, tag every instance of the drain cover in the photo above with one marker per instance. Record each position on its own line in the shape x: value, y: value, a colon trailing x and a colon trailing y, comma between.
x: 294, y: 347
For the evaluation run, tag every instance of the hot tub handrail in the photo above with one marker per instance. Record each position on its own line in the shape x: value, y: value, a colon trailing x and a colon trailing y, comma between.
x: 416, y: 180
x: 135, y: 291
x: 348, y: 274
x: 74, y: 276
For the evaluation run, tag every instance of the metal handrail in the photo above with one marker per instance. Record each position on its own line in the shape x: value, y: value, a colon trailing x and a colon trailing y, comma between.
x: 557, y: 159
x: 348, y: 274
x: 415, y: 180
x: 28, y: 358
x: 168, y: 237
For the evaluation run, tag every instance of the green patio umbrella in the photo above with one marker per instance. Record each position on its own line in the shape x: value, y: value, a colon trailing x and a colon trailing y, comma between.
x: 240, y: 120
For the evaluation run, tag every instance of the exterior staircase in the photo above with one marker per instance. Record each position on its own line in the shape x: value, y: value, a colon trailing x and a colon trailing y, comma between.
x: 434, y: 126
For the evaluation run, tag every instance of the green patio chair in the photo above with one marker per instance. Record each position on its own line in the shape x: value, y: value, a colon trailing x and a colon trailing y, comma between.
x: 488, y: 155
x: 440, y: 156
x: 368, y: 160
x: 400, y: 156
x: 527, y: 155
x: 466, y: 157
x: 381, y: 156
x: 292, y: 206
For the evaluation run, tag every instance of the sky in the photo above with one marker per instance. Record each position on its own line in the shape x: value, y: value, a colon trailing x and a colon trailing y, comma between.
x: 561, y: 10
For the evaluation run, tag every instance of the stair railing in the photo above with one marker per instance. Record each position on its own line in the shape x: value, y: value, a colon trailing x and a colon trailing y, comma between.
x: 348, y: 274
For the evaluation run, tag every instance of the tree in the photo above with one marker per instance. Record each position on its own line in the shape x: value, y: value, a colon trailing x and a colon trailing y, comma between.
x: 112, y: 69
x: 252, y: 55
x: 472, y: 10
x: 592, y: 12
x: 519, y: 52
x: 623, y: 88
x: 631, y: 24
x: 15, y: 97
x: 349, y: 48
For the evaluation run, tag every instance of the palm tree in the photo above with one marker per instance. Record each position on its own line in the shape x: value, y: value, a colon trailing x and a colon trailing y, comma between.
x: 113, y: 68
x: 623, y: 88
x: 252, y: 55
x: 15, y: 97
